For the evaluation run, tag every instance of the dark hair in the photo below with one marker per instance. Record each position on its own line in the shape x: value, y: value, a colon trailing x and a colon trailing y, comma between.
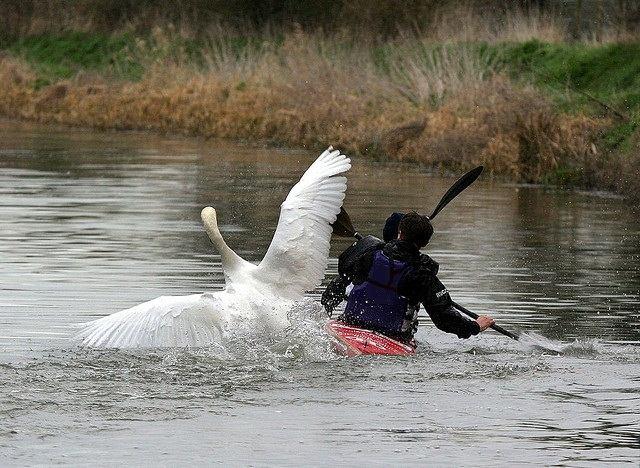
x: 416, y: 228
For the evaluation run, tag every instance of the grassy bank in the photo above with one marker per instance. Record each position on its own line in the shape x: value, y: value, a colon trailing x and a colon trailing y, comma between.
x: 534, y: 110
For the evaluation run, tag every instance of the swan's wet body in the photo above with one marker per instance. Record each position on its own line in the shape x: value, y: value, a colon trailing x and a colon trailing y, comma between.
x: 197, y: 320
x: 256, y: 297
x: 94, y: 223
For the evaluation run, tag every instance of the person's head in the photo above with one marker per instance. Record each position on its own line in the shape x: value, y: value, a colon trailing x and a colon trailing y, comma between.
x: 415, y: 228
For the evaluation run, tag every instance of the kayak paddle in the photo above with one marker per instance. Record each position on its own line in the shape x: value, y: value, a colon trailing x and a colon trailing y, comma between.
x: 342, y: 226
x: 460, y: 184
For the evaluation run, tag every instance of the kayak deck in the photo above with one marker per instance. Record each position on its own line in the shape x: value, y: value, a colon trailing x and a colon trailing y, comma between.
x: 353, y: 341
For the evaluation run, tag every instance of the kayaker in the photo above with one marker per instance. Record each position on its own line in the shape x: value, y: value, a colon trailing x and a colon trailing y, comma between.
x: 391, y: 279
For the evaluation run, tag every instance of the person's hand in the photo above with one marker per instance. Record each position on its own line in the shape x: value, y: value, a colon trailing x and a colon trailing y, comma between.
x: 485, y: 322
x: 334, y: 294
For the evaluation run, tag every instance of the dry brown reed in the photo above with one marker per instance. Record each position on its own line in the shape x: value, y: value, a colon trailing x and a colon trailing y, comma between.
x: 511, y: 130
x: 471, y: 21
x: 447, y: 109
x: 620, y: 172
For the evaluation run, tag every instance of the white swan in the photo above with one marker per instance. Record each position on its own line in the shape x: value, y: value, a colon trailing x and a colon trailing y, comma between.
x: 254, y: 295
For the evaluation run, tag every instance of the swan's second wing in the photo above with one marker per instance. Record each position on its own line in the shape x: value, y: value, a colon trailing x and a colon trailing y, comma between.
x: 167, y: 321
x: 297, y: 257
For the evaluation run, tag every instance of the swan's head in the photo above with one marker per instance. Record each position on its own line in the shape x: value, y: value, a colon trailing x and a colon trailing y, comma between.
x: 231, y: 263
x: 208, y: 214
x: 210, y: 221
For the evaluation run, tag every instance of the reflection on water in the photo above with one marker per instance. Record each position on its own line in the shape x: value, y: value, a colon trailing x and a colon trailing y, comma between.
x: 96, y: 222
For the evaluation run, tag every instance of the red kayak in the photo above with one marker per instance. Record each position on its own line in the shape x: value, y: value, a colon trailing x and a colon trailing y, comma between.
x: 352, y: 341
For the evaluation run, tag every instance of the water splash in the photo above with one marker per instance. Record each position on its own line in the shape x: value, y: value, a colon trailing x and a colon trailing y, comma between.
x: 254, y: 340
x: 584, y: 347
x: 305, y: 340
x: 535, y: 341
x: 579, y: 347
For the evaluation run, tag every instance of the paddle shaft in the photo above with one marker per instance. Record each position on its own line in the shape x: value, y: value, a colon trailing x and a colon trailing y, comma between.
x: 497, y: 328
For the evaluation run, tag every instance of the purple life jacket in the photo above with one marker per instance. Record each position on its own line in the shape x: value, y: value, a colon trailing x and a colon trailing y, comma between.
x: 375, y: 304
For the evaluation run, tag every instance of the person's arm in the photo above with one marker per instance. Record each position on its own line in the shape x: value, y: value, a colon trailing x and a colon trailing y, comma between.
x: 427, y: 289
x: 448, y: 319
x: 352, y: 268
x: 429, y: 264
x: 362, y: 267
x: 438, y: 305
x: 355, y: 262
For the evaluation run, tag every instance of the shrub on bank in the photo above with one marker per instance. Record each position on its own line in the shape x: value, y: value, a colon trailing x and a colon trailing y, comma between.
x: 518, y: 108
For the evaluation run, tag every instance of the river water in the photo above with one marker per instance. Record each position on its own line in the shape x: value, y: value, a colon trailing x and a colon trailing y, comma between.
x: 93, y: 222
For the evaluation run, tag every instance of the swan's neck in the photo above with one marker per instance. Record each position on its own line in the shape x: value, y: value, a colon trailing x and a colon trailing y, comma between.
x: 230, y: 260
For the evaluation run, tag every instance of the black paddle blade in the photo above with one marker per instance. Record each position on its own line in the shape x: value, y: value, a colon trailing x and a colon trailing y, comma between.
x: 342, y: 226
x: 461, y: 184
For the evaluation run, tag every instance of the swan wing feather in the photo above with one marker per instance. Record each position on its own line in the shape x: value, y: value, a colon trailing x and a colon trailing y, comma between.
x: 167, y: 321
x: 296, y: 259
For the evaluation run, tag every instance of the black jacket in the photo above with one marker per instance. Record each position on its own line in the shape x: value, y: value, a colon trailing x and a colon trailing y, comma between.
x: 419, y: 285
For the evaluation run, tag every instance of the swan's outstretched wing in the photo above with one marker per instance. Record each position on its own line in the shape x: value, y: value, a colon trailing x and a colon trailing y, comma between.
x: 297, y: 257
x: 167, y: 321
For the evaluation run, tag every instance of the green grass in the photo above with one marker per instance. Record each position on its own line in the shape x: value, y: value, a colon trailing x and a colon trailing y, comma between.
x: 609, y: 73
x: 57, y: 57
x: 119, y: 56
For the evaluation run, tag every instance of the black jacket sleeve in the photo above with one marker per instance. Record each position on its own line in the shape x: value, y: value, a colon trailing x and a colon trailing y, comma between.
x: 356, y: 271
x: 421, y: 285
x: 353, y: 267
x: 362, y: 266
x: 449, y: 320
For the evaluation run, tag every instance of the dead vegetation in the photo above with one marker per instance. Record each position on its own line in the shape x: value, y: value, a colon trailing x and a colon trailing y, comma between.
x: 416, y: 100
